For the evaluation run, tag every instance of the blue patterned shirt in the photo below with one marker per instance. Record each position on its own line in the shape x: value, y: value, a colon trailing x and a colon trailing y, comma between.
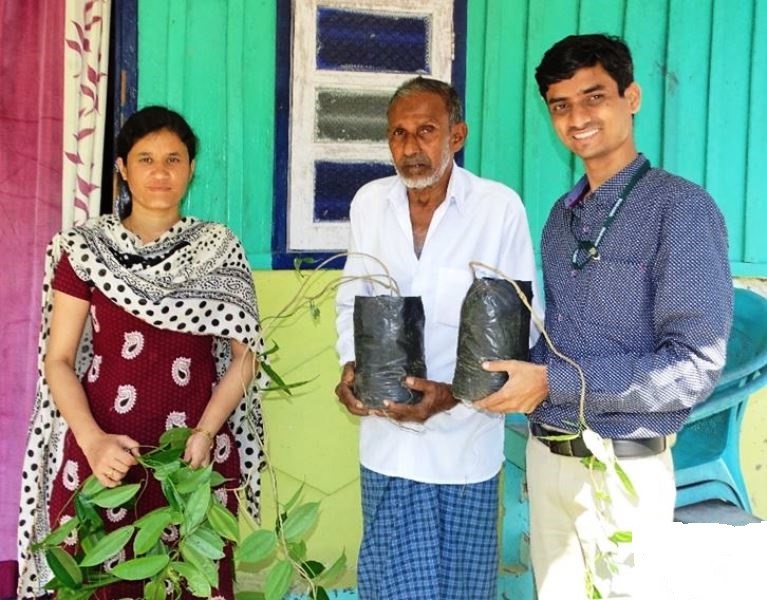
x: 648, y: 322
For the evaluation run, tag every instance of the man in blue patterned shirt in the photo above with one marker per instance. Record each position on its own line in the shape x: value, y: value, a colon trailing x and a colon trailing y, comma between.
x: 639, y: 294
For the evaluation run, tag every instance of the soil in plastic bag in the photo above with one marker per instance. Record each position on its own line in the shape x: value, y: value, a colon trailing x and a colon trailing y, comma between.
x: 388, y: 346
x: 495, y: 325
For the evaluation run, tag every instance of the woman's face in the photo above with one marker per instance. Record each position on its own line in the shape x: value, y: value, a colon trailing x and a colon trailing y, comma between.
x: 158, y: 172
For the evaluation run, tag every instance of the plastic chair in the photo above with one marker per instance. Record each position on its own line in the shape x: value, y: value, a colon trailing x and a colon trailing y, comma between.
x: 706, y: 453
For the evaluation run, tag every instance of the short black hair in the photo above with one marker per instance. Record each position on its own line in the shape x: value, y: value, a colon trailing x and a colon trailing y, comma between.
x: 574, y: 52
x: 151, y: 119
x: 432, y: 86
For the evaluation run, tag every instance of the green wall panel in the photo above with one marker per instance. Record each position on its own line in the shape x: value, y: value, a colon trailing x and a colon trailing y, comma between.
x: 755, y: 250
x: 702, y: 66
x: 213, y: 61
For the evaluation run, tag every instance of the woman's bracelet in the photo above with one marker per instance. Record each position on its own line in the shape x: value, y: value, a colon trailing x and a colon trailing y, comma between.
x: 206, y: 433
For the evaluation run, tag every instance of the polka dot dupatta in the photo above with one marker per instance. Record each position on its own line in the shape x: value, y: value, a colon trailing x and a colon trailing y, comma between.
x: 193, y: 279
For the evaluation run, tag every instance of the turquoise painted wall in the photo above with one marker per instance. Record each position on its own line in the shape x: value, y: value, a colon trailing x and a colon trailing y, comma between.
x: 702, y: 65
x: 213, y: 60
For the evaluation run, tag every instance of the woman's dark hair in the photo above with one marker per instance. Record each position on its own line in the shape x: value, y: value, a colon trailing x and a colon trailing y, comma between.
x: 574, y: 52
x: 432, y: 86
x: 149, y: 120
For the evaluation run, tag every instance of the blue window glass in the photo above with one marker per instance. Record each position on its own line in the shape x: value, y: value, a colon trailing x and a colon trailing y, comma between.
x: 359, y: 41
x: 336, y: 183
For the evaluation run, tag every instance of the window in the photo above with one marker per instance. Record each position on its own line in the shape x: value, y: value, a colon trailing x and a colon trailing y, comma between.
x: 347, y: 59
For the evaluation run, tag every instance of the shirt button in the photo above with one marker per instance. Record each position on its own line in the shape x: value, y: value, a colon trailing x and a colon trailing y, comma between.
x: 573, y: 273
x: 559, y: 317
x: 585, y: 229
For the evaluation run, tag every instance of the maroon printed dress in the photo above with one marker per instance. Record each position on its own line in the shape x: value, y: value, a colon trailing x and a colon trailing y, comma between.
x: 141, y: 382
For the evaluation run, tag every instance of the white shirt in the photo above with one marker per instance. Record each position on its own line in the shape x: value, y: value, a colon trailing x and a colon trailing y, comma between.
x: 480, y: 220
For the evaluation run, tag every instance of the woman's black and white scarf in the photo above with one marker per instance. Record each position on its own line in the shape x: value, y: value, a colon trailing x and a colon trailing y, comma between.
x: 195, y: 279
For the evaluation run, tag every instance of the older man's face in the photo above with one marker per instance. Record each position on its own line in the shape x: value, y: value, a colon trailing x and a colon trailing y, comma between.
x: 421, y: 139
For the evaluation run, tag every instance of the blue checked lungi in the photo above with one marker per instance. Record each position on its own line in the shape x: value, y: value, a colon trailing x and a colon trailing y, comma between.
x: 427, y: 541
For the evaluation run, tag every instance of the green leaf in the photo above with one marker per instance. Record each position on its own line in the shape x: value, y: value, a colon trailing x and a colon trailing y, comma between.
x: 298, y: 262
x: 197, y: 507
x: 278, y: 522
x: 188, y: 480
x: 334, y: 570
x: 141, y: 568
x: 207, y: 543
x: 294, y: 498
x: 150, y: 527
x: 160, y: 457
x: 271, y: 350
x: 108, y: 546
x: 278, y: 580
x: 175, y: 437
x: 58, y: 535
x: 167, y: 470
x: 195, y: 580
x: 625, y: 480
x: 172, y: 496
x: 205, y: 565
x: 154, y: 590
x: 217, y: 479
x: 593, y: 463
x: 91, y: 486
x: 249, y: 596
x: 321, y: 594
x: 621, y: 537
x: 223, y: 522
x: 89, y: 540
x: 257, y: 546
x: 300, y: 521
x: 297, y: 550
x: 275, y: 379
x: 114, y: 497
x: 156, y: 515
x: 81, y: 594
x: 64, y: 567
x: 87, y: 514
x: 312, y: 568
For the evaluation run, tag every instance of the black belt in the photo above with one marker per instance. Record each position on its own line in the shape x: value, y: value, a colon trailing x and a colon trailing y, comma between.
x: 624, y: 448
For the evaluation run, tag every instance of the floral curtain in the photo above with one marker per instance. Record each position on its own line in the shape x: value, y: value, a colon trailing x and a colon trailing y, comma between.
x: 53, y: 68
x: 86, y: 60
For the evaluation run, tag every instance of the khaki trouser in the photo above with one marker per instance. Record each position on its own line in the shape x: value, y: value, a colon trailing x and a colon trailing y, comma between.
x: 564, y: 527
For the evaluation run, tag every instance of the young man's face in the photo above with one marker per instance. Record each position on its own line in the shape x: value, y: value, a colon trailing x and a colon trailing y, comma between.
x: 591, y: 118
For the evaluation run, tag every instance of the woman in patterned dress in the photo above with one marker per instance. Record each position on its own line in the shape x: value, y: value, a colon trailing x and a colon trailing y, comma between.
x: 150, y: 322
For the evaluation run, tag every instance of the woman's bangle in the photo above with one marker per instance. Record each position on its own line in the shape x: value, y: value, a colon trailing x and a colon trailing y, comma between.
x: 204, y: 432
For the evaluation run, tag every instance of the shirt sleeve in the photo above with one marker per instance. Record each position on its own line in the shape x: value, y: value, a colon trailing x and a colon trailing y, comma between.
x: 517, y: 258
x: 65, y: 280
x: 692, y: 316
x: 353, y: 283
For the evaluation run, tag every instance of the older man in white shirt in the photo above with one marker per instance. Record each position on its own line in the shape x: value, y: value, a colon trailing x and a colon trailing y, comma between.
x: 430, y: 470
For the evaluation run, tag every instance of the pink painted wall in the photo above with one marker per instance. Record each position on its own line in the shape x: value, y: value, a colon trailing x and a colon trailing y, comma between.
x: 31, y: 75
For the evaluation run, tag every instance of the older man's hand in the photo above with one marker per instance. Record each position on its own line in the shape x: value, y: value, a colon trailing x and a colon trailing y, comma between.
x: 437, y: 397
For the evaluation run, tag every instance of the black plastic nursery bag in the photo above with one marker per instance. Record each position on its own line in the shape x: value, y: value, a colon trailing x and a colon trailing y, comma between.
x: 495, y: 325
x: 388, y: 346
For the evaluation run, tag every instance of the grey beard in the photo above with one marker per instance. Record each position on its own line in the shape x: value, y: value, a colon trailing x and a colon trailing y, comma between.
x: 421, y: 183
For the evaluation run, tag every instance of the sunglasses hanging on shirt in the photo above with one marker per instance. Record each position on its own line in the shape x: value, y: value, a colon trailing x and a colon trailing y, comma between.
x: 586, y: 250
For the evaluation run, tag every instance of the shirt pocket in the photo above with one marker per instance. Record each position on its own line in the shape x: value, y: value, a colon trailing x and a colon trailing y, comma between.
x: 618, y: 294
x: 452, y: 285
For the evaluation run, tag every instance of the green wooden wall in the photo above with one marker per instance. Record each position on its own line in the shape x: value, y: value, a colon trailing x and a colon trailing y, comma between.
x: 213, y: 60
x: 702, y: 65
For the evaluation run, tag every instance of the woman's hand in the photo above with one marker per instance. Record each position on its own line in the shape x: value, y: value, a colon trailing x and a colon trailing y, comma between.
x: 110, y: 456
x: 198, y: 447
